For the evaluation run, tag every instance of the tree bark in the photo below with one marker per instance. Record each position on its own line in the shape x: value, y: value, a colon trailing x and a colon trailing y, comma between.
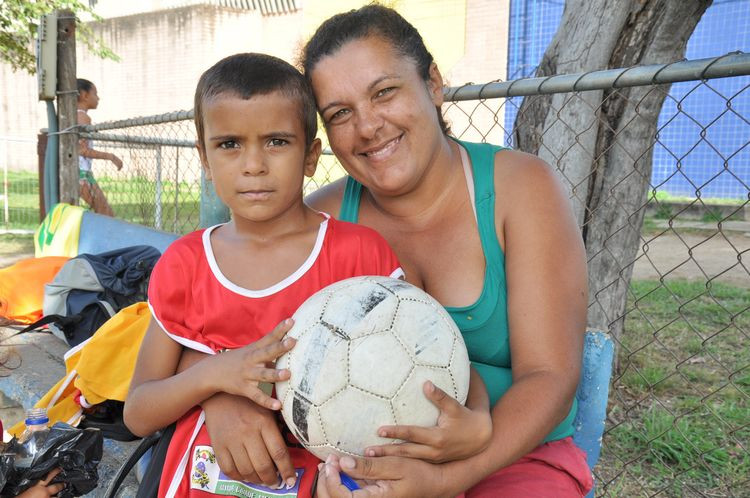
x: 601, y: 141
x: 67, y: 105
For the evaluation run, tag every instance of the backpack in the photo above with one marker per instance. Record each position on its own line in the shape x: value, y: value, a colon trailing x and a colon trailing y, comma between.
x: 90, y: 288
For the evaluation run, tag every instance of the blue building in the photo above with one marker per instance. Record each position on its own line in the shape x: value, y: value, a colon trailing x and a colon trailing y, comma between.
x: 703, y: 145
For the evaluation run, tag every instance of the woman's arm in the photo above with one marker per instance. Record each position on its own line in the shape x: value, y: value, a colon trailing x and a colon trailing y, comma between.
x: 547, y: 299
x: 547, y: 287
x: 159, y: 396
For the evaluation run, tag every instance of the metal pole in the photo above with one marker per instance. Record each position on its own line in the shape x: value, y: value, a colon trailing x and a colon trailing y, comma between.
x: 734, y: 64
x: 157, y: 200
x: 213, y: 211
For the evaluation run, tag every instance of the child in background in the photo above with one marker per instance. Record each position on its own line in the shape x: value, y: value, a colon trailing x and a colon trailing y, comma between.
x: 219, y: 290
x: 91, y: 192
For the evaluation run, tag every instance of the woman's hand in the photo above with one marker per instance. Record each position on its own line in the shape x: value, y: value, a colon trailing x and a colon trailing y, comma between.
x: 44, y: 489
x: 247, y: 441
x: 460, y: 432
x: 240, y: 371
x: 387, y: 477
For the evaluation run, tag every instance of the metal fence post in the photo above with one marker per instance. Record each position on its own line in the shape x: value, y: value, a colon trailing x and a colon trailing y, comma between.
x: 67, y: 103
x: 213, y: 211
x: 157, y: 200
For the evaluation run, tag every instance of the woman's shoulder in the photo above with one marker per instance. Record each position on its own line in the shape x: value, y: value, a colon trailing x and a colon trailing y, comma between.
x: 328, y: 197
x: 519, y: 174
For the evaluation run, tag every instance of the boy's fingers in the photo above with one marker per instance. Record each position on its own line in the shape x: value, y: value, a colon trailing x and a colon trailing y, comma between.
x: 264, y: 466
x: 263, y: 399
x: 279, y: 453
x: 226, y: 463
x: 278, y: 332
x: 262, y: 374
x: 272, y: 351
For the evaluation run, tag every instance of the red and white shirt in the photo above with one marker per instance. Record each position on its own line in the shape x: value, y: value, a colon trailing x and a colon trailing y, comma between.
x: 198, y: 307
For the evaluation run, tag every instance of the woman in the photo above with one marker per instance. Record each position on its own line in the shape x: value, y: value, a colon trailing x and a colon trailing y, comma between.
x: 88, y: 98
x: 487, y: 231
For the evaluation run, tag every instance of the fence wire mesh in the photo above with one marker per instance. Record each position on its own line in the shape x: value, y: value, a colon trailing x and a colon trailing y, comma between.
x: 19, y: 191
x: 678, y: 420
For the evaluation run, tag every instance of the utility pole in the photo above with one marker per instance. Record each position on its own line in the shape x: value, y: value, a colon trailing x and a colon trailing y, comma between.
x: 67, y: 104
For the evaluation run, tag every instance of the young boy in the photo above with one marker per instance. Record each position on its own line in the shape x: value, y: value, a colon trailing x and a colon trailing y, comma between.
x: 220, y: 290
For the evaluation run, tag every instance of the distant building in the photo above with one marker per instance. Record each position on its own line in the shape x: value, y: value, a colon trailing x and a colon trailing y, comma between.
x: 718, y: 163
x: 165, y: 45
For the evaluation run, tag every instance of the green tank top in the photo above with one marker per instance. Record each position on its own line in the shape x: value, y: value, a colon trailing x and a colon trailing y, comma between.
x: 484, y: 324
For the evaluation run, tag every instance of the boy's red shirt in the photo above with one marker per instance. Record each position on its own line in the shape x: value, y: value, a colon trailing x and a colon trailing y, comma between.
x: 201, y: 309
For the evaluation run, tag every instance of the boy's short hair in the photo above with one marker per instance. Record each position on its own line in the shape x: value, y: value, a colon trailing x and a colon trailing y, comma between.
x: 250, y: 74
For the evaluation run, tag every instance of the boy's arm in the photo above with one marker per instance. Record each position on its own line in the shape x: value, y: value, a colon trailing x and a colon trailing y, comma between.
x: 158, y: 396
x: 245, y: 437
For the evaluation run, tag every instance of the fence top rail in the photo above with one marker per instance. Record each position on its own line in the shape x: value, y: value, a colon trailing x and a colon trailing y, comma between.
x: 732, y: 64
x: 728, y: 65
x: 134, y: 139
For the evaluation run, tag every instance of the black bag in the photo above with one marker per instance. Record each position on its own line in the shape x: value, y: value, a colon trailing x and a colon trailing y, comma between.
x: 90, y: 288
x: 77, y: 452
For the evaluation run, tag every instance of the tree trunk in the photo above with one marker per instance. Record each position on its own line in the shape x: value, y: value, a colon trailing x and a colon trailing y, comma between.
x: 601, y: 141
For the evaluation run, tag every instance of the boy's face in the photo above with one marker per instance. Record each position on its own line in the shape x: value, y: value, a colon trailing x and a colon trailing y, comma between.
x: 254, y: 152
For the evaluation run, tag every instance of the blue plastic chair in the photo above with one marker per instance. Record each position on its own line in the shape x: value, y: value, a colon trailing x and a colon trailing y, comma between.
x: 592, y: 394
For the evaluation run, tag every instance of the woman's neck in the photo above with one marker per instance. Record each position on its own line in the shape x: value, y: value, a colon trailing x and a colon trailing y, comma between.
x: 434, y: 193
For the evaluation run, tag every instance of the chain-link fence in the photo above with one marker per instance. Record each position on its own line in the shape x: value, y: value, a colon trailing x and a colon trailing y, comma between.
x: 678, y: 417
x: 19, y: 193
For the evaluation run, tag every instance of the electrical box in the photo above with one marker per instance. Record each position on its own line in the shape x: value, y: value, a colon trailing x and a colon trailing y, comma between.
x: 46, y: 56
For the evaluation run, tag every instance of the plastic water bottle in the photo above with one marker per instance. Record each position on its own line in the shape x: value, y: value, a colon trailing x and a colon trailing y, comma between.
x: 33, y: 437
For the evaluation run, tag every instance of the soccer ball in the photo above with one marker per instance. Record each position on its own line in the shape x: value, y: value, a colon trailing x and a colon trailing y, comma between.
x: 365, y: 347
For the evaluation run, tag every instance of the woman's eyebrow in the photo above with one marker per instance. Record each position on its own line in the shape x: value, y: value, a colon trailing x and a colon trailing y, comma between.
x: 370, y: 87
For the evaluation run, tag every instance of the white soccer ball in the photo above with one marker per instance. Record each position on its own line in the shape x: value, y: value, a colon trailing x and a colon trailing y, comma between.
x: 365, y: 347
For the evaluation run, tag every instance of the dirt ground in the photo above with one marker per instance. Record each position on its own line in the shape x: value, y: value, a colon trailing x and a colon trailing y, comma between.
x: 697, y: 255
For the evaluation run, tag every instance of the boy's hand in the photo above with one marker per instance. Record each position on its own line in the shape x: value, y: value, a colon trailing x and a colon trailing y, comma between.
x: 241, y: 370
x: 247, y: 441
x: 44, y: 489
x: 461, y: 432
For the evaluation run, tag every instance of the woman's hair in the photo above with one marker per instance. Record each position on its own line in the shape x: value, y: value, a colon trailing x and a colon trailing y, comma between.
x: 84, y: 85
x: 370, y: 20
x: 251, y: 74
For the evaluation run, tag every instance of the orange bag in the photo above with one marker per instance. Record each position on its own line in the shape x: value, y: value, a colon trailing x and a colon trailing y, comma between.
x: 22, y: 287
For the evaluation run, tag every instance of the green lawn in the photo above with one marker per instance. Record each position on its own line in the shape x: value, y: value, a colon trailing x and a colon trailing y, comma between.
x: 679, y: 412
x: 134, y: 199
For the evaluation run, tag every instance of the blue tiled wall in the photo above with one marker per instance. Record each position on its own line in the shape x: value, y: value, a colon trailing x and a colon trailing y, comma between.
x: 703, y: 145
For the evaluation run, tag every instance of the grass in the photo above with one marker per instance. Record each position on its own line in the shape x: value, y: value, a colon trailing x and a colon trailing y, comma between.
x: 134, y: 199
x: 663, y: 196
x: 679, y: 411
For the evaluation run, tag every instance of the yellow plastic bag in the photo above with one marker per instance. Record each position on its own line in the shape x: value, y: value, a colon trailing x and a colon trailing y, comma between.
x: 100, y: 368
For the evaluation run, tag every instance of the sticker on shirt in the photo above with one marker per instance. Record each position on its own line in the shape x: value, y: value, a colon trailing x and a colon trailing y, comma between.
x: 206, y: 476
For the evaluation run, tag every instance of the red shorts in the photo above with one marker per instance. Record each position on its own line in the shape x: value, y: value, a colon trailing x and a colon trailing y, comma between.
x: 555, y: 469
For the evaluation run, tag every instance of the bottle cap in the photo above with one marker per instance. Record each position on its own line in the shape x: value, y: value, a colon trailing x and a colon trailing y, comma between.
x: 37, y: 416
